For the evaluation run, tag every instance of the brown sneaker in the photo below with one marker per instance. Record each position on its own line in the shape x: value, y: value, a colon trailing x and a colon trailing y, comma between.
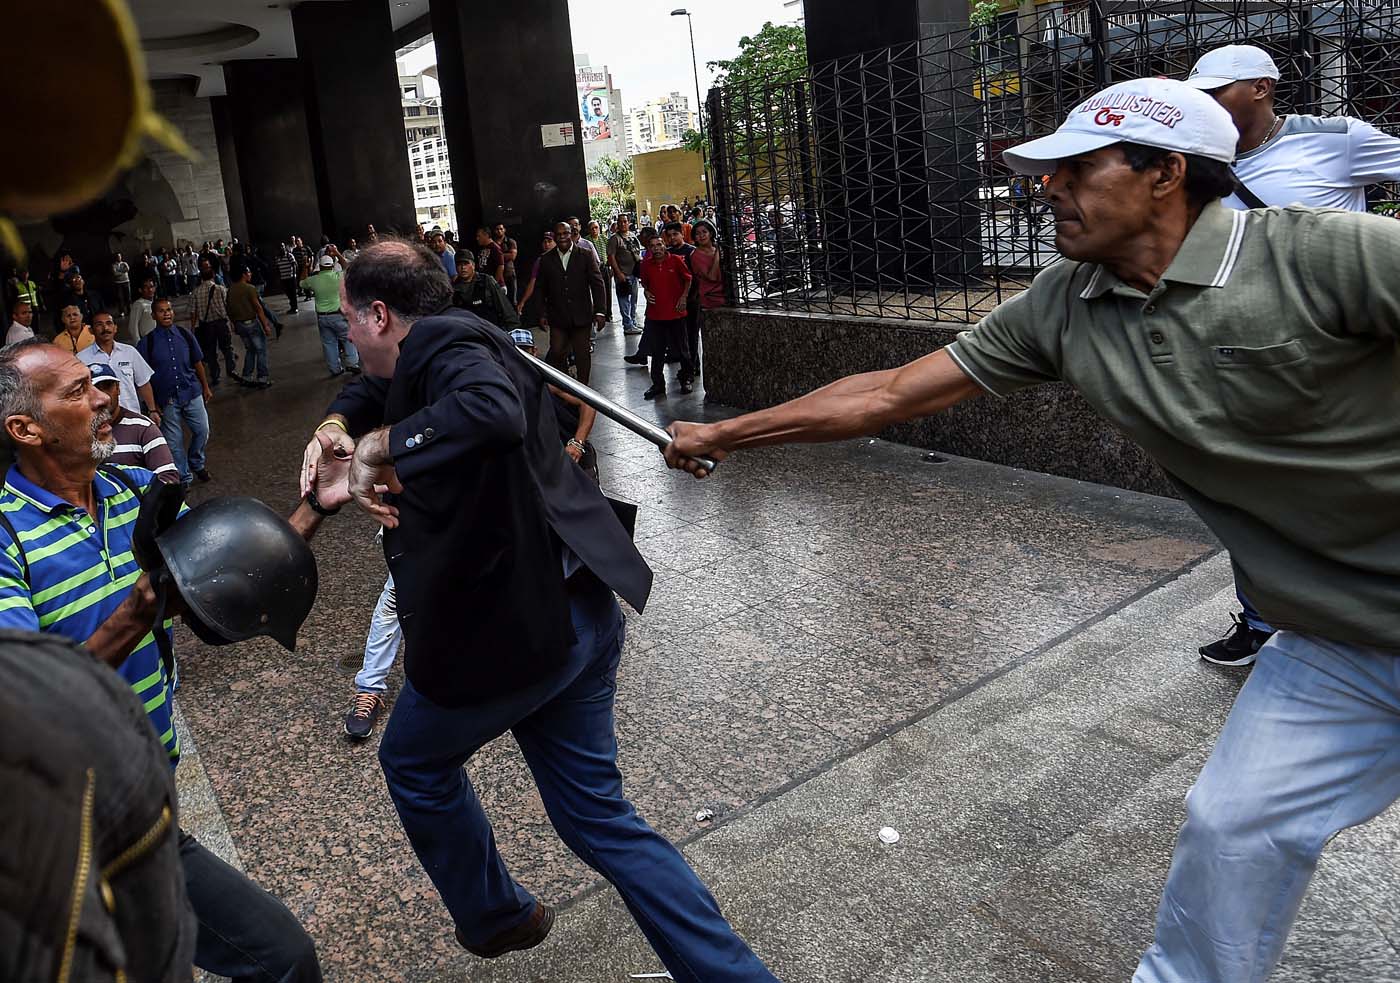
x: 364, y: 714
x: 528, y: 934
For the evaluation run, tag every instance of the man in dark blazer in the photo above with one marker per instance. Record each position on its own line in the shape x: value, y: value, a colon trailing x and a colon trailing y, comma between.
x: 570, y: 288
x: 506, y: 556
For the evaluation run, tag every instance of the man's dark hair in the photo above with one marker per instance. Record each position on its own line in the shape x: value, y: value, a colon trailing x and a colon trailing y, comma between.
x: 404, y: 276
x: 238, y: 270
x: 484, y: 228
x: 161, y: 299
x: 1206, y: 180
x: 98, y: 313
x: 673, y: 227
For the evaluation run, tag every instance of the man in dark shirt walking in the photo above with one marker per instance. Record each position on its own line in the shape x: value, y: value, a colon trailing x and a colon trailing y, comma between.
x: 180, y: 388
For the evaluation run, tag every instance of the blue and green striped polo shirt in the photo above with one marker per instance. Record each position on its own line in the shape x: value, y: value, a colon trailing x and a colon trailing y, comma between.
x: 79, y: 572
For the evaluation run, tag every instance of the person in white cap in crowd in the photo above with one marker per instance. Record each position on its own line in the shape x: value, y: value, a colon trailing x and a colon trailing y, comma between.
x: 138, y: 441
x: 1254, y: 354
x: 335, y: 330
x: 1293, y: 159
x: 1326, y: 162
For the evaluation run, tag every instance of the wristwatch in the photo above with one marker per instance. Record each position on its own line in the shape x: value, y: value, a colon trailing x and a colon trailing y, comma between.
x: 575, y: 442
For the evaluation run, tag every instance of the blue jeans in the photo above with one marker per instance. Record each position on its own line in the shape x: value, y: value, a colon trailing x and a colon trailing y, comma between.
x: 335, y: 334
x: 1311, y: 747
x: 1252, y: 617
x: 173, y: 420
x: 382, y: 644
x: 244, y: 932
x: 254, y: 349
x: 565, y: 728
x: 627, y: 302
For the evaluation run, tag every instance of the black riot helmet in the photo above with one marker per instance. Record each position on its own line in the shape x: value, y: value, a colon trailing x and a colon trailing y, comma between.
x: 241, y: 570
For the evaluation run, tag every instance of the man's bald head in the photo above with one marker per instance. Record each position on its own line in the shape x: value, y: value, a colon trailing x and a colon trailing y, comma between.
x: 405, y: 277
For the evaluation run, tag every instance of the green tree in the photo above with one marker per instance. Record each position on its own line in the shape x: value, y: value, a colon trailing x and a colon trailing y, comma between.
x: 618, y: 177
x: 775, y: 52
x: 696, y: 143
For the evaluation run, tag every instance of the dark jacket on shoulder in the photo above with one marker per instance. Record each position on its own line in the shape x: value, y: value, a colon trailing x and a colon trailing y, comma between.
x: 489, y: 500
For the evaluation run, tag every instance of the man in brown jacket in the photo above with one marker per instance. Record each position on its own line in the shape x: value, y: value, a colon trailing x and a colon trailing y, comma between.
x: 570, y: 286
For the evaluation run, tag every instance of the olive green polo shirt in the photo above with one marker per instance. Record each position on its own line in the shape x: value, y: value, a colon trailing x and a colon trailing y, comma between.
x: 1263, y: 374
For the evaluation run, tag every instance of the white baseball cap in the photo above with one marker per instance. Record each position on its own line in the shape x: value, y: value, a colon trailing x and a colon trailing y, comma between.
x: 327, y: 262
x: 1232, y: 63
x: 1155, y: 112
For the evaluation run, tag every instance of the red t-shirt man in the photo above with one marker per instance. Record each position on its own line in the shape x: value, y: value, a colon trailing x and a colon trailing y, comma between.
x: 666, y: 278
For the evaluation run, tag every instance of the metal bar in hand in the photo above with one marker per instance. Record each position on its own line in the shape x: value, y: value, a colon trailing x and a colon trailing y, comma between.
x: 605, y: 406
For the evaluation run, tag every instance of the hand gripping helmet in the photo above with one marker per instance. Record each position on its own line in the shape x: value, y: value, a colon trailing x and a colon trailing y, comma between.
x: 241, y: 570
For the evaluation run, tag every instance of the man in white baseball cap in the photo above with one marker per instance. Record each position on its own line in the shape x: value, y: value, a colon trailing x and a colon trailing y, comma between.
x: 1254, y: 355
x: 1325, y: 162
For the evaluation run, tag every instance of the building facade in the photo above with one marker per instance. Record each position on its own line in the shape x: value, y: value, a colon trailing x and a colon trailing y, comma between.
x: 660, y: 124
x: 433, y: 199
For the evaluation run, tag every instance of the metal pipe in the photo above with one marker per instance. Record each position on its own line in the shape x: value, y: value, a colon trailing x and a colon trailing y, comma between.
x: 605, y: 406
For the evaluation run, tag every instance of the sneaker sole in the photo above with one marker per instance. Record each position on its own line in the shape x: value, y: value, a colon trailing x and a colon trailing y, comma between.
x: 1228, y: 663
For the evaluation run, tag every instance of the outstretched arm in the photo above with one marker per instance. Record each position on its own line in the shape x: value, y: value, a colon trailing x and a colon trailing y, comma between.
x: 851, y: 407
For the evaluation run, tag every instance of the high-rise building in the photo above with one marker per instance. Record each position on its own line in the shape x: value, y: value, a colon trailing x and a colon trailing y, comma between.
x: 433, y: 199
x: 660, y: 124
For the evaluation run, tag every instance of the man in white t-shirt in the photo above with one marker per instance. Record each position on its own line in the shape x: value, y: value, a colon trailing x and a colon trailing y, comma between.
x: 21, y: 322
x: 1320, y: 161
x: 131, y: 369
x: 140, y: 321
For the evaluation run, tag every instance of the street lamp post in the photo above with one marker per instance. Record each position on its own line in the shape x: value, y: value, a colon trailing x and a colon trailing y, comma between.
x: 699, y: 103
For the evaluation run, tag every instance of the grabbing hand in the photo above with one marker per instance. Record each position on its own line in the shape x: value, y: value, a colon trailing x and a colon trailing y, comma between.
x: 341, y: 444
x: 371, y: 475
x: 574, y: 452
x: 689, y: 441
x: 330, y: 475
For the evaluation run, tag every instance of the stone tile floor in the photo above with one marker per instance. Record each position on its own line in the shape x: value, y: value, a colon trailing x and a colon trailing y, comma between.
x: 812, y: 606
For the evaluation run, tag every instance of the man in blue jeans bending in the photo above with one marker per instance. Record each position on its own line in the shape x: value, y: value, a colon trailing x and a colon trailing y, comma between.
x: 1255, y: 354
x: 180, y: 388
x: 505, y: 556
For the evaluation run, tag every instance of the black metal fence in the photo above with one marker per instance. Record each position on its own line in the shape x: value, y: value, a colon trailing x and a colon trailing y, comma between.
x: 874, y: 185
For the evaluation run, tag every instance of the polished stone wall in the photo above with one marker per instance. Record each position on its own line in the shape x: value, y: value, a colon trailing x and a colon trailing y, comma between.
x: 754, y: 359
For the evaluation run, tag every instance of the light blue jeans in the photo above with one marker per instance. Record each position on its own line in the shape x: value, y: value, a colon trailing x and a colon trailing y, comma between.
x: 627, y: 302
x: 335, y: 335
x: 382, y: 644
x: 1311, y: 747
x: 174, y: 418
x: 254, y: 349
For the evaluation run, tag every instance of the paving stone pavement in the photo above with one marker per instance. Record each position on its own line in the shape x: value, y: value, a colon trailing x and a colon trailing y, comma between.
x: 998, y: 663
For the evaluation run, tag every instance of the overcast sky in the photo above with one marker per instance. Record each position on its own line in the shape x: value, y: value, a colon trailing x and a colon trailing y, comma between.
x: 647, y: 50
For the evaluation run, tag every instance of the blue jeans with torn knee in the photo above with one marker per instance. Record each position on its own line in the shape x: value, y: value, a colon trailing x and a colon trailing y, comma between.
x: 1311, y: 747
x: 565, y: 728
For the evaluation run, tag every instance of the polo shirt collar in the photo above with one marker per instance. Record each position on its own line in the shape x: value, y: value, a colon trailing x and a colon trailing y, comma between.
x: 1206, y: 258
x: 44, y: 499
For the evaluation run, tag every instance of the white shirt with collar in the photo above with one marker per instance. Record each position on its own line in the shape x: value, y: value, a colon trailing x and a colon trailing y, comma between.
x: 129, y: 366
x: 17, y: 332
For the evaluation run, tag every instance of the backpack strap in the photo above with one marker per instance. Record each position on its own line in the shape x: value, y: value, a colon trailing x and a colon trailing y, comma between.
x: 8, y: 526
x: 1243, y: 193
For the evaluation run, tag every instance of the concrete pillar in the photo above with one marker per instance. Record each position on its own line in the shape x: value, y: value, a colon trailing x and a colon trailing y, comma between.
x: 504, y: 77
x: 354, y: 116
x: 266, y: 124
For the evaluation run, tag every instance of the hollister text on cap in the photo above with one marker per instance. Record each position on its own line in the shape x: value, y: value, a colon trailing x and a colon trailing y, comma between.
x: 1154, y: 112
x: 1232, y: 63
